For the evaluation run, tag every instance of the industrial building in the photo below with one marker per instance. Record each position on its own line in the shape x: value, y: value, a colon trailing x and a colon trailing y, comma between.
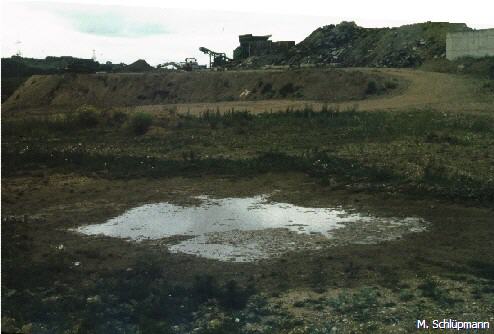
x: 251, y: 45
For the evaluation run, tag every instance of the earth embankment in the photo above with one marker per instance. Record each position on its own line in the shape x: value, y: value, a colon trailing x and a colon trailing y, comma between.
x: 132, y: 89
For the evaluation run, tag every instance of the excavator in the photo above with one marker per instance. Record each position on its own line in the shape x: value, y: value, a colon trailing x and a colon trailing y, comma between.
x: 217, y: 60
x: 190, y: 64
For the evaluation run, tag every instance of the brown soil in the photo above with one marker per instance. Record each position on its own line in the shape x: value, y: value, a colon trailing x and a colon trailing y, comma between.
x: 440, y: 91
x: 417, y: 89
x: 129, y: 89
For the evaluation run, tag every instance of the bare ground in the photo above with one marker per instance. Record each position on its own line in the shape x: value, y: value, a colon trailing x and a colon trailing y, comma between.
x: 444, y: 272
x: 423, y: 90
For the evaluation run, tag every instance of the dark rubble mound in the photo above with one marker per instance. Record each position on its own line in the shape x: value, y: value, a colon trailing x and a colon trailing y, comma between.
x: 347, y: 44
x: 138, y: 66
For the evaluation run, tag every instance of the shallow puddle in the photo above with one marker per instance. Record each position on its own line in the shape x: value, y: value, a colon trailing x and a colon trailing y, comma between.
x: 248, y: 229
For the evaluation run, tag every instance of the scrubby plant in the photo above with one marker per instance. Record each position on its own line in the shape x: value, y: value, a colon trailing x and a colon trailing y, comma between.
x: 435, y: 171
x: 431, y: 288
x: 287, y: 90
x: 141, y: 122
x: 233, y: 296
x: 230, y: 296
x: 87, y: 116
x: 116, y: 118
x: 439, y: 65
x: 390, y: 84
x: 360, y: 303
x: 205, y: 287
x: 372, y: 87
x: 489, y: 86
x: 406, y: 295
x: 480, y: 67
x: 267, y: 89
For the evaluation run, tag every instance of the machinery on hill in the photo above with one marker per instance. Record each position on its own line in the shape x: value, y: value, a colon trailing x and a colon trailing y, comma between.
x: 216, y: 59
x: 190, y: 64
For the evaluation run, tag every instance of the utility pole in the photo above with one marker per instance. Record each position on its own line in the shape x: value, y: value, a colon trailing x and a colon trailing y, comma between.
x: 18, y: 53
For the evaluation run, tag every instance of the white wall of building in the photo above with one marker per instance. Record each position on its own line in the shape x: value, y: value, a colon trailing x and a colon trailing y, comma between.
x: 477, y: 43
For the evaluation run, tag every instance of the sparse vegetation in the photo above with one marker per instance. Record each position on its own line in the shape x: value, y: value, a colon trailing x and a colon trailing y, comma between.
x: 371, y: 87
x: 431, y: 288
x: 426, y: 159
x: 87, y: 116
x: 479, y: 67
x: 361, y: 303
x: 141, y: 122
x: 65, y: 167
x: 163, y: 88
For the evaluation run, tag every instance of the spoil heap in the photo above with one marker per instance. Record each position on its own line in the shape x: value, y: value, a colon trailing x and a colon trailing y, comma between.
x: 347, y: 44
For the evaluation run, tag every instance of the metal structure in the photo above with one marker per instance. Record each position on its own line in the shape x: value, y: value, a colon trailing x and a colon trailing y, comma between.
x: 216, y: 59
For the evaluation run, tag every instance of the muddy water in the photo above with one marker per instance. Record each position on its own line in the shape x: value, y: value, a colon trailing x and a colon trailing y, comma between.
x: 249, y: 229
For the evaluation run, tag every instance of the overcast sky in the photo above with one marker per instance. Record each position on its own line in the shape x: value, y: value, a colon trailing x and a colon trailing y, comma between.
x: 160, y: 31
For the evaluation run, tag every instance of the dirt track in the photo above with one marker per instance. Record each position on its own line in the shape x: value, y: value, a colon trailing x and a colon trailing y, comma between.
x: 436, y: 90
x: 425, y: 89
x: 418, y: 89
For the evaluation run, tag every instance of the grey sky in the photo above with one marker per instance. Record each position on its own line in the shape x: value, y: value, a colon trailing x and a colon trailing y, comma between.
x: 120, y: 31
x: 112, y: 23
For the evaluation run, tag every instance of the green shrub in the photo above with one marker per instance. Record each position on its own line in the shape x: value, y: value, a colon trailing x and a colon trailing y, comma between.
x: 116, y: 118
x: 87, y: 116
x: 390, y: 84
x: 267, y: 89
x: 287, y: 90
x: 141, y: 122
x: 481, y: 67
x: 435, y: 171
x: 233, y: 296
x: 205, y: 287
x: 406, y: 295
x: 360, y: 303
x: 431, y: 289
x: 439, y: 65
x: 371, y: 87
x: 489, y: 86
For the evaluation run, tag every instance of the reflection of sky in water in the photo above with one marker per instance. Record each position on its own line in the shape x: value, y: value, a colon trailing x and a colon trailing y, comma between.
x: 243, y: 229
x: 155, y: 221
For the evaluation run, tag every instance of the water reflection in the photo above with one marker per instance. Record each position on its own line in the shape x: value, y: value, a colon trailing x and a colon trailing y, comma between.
x: 240, y: 229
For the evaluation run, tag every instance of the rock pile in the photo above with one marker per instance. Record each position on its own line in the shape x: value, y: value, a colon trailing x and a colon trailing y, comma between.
x: 347, y: 44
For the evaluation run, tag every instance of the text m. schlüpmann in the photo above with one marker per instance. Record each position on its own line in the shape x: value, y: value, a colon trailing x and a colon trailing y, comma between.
x: 452, y: 324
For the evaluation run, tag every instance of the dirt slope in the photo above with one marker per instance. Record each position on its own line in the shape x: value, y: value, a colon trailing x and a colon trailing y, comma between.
x: 440, y: 91
x: 342, y: 89
x: 128, y: 89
